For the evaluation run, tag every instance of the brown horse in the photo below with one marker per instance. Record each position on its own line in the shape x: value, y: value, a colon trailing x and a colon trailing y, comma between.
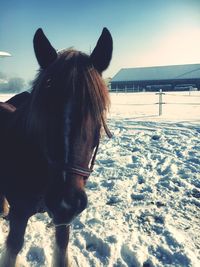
x: 49, y: 139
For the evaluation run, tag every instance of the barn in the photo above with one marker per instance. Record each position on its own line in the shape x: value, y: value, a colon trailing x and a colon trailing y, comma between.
x: 167, y: 78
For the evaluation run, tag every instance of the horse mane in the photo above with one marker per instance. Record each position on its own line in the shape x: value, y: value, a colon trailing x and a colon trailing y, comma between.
x: 71, y: 76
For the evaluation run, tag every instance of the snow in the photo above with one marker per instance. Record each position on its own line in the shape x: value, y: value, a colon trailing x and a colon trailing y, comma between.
x: 144, y: 195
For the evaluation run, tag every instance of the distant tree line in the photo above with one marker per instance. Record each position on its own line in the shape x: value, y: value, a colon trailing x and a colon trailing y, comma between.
x: 11, y: 85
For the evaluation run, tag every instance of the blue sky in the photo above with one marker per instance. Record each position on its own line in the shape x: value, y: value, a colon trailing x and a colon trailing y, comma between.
x: 145, y: 32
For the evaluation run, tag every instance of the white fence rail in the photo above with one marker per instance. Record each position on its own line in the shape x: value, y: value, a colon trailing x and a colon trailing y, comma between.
x: 175, y: 105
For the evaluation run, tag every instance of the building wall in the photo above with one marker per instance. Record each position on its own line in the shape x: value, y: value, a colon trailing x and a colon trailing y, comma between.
x: 151, y: 86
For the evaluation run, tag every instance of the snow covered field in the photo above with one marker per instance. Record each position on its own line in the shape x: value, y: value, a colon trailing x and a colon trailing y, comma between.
x: 144, y: 195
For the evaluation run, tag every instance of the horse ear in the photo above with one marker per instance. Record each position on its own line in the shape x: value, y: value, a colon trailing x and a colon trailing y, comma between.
x: 44, y: 51
x: 102, y: 53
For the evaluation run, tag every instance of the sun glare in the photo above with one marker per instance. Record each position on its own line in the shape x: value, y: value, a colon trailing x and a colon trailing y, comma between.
x: 179, y: 47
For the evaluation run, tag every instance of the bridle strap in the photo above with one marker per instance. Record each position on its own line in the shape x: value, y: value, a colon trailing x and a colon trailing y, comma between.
x: 94, y: 158
x: 78, y: 171
x: 85, y: 172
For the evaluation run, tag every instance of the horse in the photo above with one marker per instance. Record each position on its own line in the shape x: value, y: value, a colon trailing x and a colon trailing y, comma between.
x: 49, y: 139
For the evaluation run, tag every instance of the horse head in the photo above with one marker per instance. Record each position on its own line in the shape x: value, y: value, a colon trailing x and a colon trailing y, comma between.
x: 67, y: 114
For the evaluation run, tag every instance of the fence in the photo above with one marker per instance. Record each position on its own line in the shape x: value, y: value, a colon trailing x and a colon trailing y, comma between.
x: 141, y: 105
x: 168, y: 104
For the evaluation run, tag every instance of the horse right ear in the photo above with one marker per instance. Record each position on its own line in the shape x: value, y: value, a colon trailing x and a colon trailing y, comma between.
x: 102, y: 53
x: 44, y: 51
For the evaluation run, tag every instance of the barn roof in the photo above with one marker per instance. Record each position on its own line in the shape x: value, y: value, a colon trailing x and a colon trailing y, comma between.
x: 174, y: 72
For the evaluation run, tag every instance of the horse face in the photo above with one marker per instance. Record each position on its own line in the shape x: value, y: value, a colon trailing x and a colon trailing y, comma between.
x: 67, y: 198
x: 70, y: 145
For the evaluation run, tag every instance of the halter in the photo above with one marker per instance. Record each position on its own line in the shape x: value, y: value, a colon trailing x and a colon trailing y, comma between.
x: 85, y: 172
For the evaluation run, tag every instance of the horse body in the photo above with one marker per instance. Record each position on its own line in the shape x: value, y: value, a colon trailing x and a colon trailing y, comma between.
x: 19, y: 155
x: 48, y: 142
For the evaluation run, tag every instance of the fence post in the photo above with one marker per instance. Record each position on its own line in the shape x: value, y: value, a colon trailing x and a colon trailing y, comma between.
x: 160, y: 101
x: 190, y: 90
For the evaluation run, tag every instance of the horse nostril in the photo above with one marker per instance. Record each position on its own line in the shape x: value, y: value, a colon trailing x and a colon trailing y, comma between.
x: 82, y: 201
x: 76, y: 204
x: 65, y: 205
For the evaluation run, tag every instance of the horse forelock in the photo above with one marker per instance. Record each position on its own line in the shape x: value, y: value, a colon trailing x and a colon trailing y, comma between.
x: 70, y: 79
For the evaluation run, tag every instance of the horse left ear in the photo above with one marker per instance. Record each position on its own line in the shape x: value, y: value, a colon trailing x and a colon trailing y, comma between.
x: 102, y: 53
x: 44, y: 51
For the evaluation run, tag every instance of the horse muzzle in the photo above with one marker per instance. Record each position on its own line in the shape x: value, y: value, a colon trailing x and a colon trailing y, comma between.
x: 66, y: 210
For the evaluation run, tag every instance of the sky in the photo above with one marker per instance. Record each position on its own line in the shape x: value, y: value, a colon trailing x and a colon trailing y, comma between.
x: 145, y: 32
